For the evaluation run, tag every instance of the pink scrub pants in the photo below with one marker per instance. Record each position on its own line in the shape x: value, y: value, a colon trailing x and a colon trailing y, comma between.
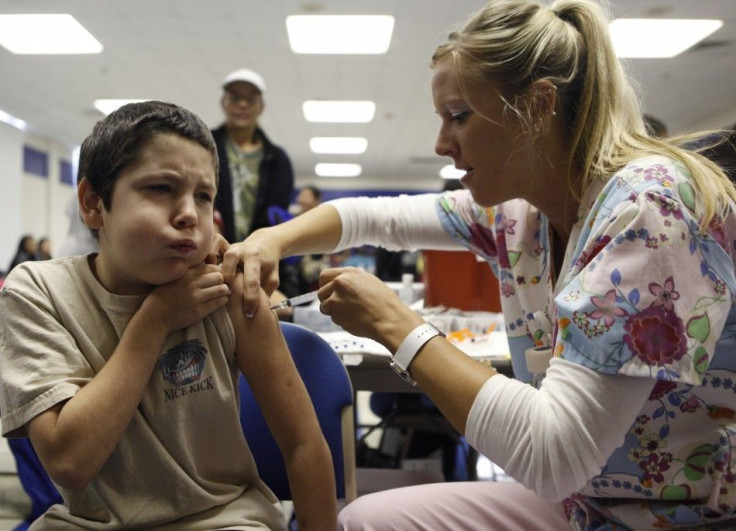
x: 478, y: 505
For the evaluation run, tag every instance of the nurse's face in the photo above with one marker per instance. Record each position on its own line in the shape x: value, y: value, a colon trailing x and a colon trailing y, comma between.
x: 483, y: 139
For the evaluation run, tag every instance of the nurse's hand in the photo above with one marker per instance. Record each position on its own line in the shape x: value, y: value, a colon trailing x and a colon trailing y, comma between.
x: 365, y: 306
x: 259, y: 261
x: 219, y: 246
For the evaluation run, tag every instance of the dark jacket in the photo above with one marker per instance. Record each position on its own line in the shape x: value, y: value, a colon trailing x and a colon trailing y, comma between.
x: 275, y: 183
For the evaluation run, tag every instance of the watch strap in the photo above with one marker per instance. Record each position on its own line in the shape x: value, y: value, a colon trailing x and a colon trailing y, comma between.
x: 410, y: 347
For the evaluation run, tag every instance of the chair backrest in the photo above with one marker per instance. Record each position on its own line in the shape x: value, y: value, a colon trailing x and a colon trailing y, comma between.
x: 329, y: 387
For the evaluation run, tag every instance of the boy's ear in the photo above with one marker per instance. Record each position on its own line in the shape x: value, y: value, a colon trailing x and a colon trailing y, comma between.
x: 90, y: 205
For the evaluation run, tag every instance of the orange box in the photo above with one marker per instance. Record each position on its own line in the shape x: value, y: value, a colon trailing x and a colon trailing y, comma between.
x: 456, y: 279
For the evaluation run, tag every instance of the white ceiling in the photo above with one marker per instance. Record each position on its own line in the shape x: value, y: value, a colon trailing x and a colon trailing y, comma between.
x: 180, y: 50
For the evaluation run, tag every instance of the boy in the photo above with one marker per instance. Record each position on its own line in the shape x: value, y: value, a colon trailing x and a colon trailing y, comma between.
x: 122, y: 366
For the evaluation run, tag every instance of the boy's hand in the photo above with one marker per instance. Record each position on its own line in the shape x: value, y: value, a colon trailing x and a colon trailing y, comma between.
x: 188, y: 300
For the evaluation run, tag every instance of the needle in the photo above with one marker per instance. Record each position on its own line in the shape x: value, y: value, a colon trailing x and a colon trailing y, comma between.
x: 295, y: 301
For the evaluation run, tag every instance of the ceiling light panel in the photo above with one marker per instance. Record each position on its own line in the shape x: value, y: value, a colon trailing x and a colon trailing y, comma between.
x: 325, y: 169
x: 339, y: 34
x: 46, y: 34
x: 339, y: 111
x: 339, y: 145
x: 658, y: 38
x: 12, y: 120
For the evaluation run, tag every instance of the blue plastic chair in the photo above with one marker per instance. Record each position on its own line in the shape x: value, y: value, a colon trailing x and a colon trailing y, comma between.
x: 329, y: 387
x: 33, y: 478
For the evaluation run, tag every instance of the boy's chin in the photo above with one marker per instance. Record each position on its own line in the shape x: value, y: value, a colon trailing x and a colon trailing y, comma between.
x: 184, y: 264
x: 170, y: 274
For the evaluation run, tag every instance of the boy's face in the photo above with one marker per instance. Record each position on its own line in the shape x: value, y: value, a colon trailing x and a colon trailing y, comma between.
x: 160, y: 221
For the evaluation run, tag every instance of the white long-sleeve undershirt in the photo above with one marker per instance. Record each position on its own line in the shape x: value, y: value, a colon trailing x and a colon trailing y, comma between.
x: 555, y: 438
x: 403, y: 223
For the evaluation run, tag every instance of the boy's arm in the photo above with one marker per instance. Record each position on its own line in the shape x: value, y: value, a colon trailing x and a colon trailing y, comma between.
x: 266, y: 362
x: 74, y: 439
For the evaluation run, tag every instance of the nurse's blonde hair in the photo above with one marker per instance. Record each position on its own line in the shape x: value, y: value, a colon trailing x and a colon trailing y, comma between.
x: 515, y: 43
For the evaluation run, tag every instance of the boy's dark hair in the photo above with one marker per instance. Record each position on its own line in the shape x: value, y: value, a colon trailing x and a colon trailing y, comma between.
x: 117, y: 139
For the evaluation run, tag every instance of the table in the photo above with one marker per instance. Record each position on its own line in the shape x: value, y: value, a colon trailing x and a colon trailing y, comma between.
x: 375, y: 374
x: 367, y: 361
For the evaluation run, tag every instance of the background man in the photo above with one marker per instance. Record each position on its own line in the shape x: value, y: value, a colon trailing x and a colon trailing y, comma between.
x: 254, y: 173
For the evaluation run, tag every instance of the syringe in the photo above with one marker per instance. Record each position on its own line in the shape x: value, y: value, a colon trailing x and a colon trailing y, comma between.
x: 295, y: 301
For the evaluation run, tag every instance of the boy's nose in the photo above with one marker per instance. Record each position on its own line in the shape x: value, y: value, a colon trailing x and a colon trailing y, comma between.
x: 186, y: 215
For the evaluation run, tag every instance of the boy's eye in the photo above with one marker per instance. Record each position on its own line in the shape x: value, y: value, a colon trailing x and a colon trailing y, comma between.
x: 205, y: 196
x: 159, y: 187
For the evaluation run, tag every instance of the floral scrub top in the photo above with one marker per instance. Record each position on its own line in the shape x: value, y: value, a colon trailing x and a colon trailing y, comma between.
x: 643, y: 292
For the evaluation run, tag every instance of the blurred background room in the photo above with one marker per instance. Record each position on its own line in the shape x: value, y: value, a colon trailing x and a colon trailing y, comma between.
x: 352, y: 121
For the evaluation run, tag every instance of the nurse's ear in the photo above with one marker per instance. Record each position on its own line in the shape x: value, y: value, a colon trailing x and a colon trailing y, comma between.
x: 543, y: 103
x: 90, y: 205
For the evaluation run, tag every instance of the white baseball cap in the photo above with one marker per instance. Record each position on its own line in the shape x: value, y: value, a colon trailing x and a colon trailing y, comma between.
x: 248, y: 76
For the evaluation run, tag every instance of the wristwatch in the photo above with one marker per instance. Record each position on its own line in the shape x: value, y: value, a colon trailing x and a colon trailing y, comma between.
x: 410, y: 347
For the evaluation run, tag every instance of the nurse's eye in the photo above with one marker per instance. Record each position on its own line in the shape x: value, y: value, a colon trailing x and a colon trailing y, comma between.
x: 459, y: 117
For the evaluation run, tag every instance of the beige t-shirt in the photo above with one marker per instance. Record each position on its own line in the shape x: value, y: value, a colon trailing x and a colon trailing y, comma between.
x: 183, y: 462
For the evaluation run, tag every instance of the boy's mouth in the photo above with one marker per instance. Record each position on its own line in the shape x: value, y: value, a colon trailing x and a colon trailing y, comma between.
x: 184, y: 246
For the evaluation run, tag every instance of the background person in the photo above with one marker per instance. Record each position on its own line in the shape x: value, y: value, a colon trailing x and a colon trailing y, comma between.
x: 255, y: 173
x: 25, y: 252
x: 614, y: 251
x: 299, y: 274
x: 310, y: 265
x: 308, y: 197
x: 43, y: 249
